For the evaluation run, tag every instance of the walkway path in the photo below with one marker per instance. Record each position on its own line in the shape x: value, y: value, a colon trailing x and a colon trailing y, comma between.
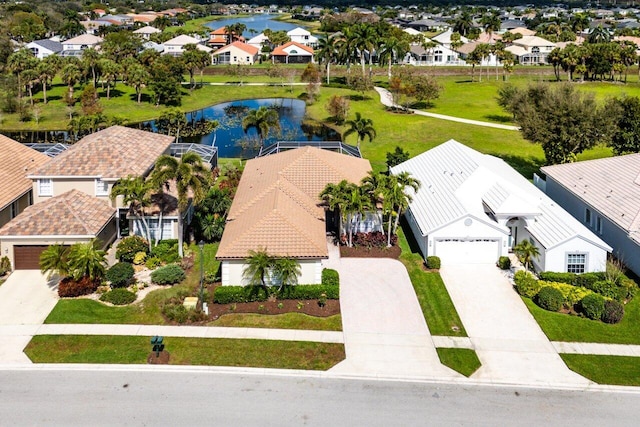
x: 387, y: 100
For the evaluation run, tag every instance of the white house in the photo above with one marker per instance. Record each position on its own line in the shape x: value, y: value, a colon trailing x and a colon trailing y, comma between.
x: 146, y: 31
x: 302, y: 36
x: 43, y: 48
x: 445, y: 38
x: 258, y: 41
x: 473, y: 208
x: 292, y: 53
x: 531, y: 50
x: 604, y: 195
x: 236, y: 53
x: 76, y: 45
x: 437, y: 55
x: 175, y: 46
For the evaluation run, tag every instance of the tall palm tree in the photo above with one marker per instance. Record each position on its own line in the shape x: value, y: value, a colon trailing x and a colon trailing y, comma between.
x: 362, y: 127
x: 393, y: 50
x: 53, y: 261
x: 91, y: 61
x: 46, y: 72
x: 365, y: 40
x: 138, y: 77
x: 526, y: 251
x: 70, y: 75
x: 336, y: 198
x: 257, y: 266
x: 110, y: 72
x: 405, y: 181
x: 491, y: 24
x: 357, y: 203
x: 346, y: 46
x: 136, y: 193
x: 20, y: 61
x: 374, y: 185
x: 326, y: 52
x: 192, y: 183
x: 463, y: 23
x: 264, y: 119
x: 286, y: 272
x: 86, y: 260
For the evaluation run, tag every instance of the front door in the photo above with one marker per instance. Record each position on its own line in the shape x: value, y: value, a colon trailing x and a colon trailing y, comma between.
x: 513, y: 236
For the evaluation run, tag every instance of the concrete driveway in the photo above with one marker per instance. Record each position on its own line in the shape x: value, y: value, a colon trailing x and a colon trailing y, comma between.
x: 384, y: 330
x: 26, y: 299
x: 507, y: 339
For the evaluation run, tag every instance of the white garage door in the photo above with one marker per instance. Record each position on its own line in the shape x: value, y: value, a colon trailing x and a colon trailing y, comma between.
x: 479, y: 251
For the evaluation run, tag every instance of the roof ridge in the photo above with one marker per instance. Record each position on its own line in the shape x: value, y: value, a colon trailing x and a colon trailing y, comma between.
x: 67, y: 202
x: 304, y: 233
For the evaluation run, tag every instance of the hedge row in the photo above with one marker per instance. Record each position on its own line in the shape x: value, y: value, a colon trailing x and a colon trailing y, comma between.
x: 596, y: 282
x: 236, y: 294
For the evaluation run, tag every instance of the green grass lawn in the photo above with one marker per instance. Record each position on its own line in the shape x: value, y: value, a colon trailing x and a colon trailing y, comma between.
x: 562, y: 327
x: 615, y: 370
x: 280, y: 321
x: 185, y: 351
x: 461, y: 360
x: 437, y: 308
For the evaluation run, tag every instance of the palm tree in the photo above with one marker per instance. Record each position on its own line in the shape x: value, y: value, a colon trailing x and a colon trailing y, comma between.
x: 326, y: 52
x: 357, y: 203
x: 526, y: 251
x: 393, y: 49
x: 30, y: 78
x: 286, y: 272
x: 91, y: 61
x: 190, y: 175
x: 374, y: 185
x: 463, y: 23
x: 70, y: 75
x: 336, y: 198
x: 264, y: 119
x: 491, y: 24
x: 137, y: 77
x: 110, y: 72
x: 135, y: 192
x: 361, y: 127
x: 257, y: 266
x: 53, y: 261
x: 365, y: 40
x: 555, y: 59
x: 404, y: 180
x: 397, y: 199
x: 46, y: 72
x: 599, y: 35
x: 346, y: 46
x: 20, y: 61
x: 86, y: 260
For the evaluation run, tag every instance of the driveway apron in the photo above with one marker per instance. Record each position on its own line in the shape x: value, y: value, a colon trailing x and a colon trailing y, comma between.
x: 26, y: 299
x: 506, y: 337
x: 384, y: 330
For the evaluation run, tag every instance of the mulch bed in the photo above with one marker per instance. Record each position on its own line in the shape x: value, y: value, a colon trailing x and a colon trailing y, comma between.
x: 309, y: 307
x: 361, y: 252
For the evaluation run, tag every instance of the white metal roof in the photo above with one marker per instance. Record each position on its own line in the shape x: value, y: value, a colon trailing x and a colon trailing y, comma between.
x: 459, y: 181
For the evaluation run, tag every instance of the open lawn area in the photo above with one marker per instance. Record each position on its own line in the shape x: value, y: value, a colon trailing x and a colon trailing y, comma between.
x: 615, y: 370
x: 563, y: 327
x: 461, y: 360
x: 280, y: 321
x: 185, y: 351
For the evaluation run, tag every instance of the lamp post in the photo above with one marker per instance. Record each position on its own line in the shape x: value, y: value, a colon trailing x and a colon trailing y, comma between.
x: 201, y: 296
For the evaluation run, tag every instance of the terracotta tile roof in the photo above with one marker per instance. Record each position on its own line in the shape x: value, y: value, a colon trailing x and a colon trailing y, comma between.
x: 16, y: 162
x: 73, y: 213
x: 281, y: 50
x: 111, y: 153
x: 277, y: 205
x: 251, y: 50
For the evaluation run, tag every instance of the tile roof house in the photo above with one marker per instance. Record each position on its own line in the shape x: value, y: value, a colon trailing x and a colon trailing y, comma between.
x: 531, y: 50
x: 146, y: 31
x: 17, y: 162
x: 277, y: 208
x: 473, y: 208
x: 75, y: 45
x: 604, y: 195
x: 292, y: 53
x: 236, y: 53
x: 90, y: 167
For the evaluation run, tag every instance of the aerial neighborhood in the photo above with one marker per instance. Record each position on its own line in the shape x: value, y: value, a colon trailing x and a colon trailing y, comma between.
x: 423, y: 192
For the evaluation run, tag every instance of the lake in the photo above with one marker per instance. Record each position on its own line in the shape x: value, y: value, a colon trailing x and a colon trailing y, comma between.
x: 232, y: 141
x: 258, y: 23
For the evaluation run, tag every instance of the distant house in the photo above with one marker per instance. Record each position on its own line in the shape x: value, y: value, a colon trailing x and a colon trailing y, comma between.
x: 277, y: 208
x: 146, y: 31
x: 445, y: 38
x: 175, y: 46
x: 292, y: 53
x: 303, y: 37
x: 474, y: 208
x: 531, y: 50
x: 220, y: 37
x: 428, y: 25
x: 258, y: 41
x: 438, y: 55
x: 604, y: 195
x: 236, y: 53
x: 43, y: 48
x: 76, y: 45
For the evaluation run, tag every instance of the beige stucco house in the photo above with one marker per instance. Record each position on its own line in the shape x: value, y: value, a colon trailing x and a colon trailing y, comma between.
x: 236, y: 53
x: 277, y: 208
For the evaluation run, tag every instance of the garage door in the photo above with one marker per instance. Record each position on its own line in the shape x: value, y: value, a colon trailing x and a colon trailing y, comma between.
x: 479, y: 251
x: 27, y: 257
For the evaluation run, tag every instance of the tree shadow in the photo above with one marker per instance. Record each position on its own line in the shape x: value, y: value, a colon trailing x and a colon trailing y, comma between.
x: 499, y: 118
x: 408, y: 234
x: 465, y: 81
x: 526, y: 166
x: 113, y: 93
x: 358, y: 97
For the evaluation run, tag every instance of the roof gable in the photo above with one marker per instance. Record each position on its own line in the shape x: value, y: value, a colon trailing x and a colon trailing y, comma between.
x: 17, y: 162
x: 289, y: 47
x: 251, y: 50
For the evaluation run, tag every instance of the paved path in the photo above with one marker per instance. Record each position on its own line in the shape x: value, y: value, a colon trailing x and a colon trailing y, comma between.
x: 384, y: 330
x: 510, y: 345
x: 26, y: 299
x: 387, y: 100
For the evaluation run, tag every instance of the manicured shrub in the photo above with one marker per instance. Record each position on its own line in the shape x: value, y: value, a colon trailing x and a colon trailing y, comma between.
x: 167, y: 251
x: 504, y: 263
x: 153, y: 262
x: 118, y: 296
x: 175, y: 311
x: 330, y: 277
x: 526, y: 284
x: 551, y: 276
x: 168, y: 275
x: 210, y: 277
x: 433, y: 262
x: 571, y: 294
x: 140, y: 258
x: 120, y: 274
x: 613, y: 311
x: 608, y: 289
x: 5, y: 265
x: 130, y: 246
x: 302, y: 292
x: 230, y: 294
x: 236, y: 294
x: 592, y: 306
x: 69, y: 288
x: 587, y: 279
x: 549, y: 298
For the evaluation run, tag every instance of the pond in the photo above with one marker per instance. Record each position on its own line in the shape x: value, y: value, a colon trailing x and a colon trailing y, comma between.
x: 232, y: 141
x: 257, y: 23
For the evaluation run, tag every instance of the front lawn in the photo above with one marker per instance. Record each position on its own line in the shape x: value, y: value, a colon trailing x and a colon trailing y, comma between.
x: 462, y: 360
x: 563, y: 327
x: 615, y: 370
x: 280, y: 321
x: 185, y: 351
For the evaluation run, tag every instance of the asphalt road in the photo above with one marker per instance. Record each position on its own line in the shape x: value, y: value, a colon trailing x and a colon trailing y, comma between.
x: 78, y: 397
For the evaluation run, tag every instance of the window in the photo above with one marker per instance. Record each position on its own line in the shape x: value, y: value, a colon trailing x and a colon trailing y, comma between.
x: 45, y: 187
x: 599, y: 225
x: 587, y: 216
x: 576, y: 263
x: 14, y: 209
x: 102, y: 188
x: 438, y: 56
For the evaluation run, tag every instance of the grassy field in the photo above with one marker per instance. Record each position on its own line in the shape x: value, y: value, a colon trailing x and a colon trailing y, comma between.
x: 438, y: 310
x: 460, y: 360
x: 280, y: 321
x: 561, y: 327
x: 614, y: 370
x: 185, y: 351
